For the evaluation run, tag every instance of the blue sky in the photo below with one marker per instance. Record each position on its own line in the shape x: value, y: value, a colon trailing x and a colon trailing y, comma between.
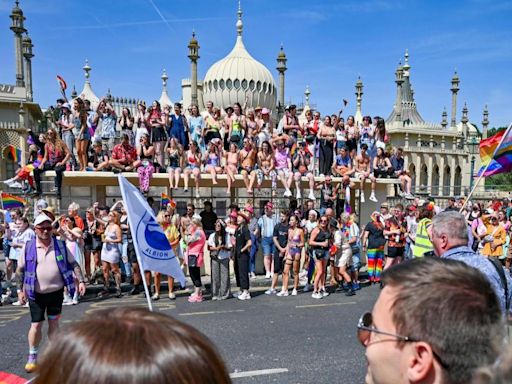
x: 328, y: 45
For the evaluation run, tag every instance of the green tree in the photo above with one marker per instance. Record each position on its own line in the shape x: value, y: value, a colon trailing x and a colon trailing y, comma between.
x: 502, y: 181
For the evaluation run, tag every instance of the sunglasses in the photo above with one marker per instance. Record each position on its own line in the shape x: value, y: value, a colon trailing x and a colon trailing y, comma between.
x: 323, y: 221
x: 46, y: 228
x: 365, y: 328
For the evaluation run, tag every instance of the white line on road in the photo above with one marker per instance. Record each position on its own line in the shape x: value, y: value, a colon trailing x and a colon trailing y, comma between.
x: 260, y: 372
x: 324, y: 305
x: 209, y: 312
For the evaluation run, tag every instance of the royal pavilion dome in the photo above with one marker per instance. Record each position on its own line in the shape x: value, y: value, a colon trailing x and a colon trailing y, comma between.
x: 238, y: 75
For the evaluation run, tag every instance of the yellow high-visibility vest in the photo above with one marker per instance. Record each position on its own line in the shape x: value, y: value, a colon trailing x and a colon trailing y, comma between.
x: 423, y: 243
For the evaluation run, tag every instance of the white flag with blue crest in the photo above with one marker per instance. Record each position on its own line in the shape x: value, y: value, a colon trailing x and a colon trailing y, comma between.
x: 153, y: 250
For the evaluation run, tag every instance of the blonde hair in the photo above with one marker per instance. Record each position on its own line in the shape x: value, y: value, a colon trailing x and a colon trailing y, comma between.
x: 160, y: 217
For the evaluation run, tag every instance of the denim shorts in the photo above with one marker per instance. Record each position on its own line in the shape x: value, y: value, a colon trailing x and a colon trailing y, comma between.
x: 356, y: 262
x: 267, y: 243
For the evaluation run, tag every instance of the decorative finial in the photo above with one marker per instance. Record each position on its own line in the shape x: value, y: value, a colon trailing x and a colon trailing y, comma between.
x: 164, y: 78
x: 306, y: 94
x: 239, y: 24
x: 87, y: 68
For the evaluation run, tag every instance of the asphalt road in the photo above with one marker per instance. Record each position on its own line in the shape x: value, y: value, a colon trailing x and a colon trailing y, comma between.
x: 264, y: 340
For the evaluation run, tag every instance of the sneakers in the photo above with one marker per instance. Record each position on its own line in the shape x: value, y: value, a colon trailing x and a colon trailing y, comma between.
x: 373, y: 198
x: 67, y: 300
x: 287, y: 193
x: 75, y: 298
x: 155, y: 297
x: 135, y: 290
x: 350, y: 292
x: 283, y: 294
x: 317, y: 295
x: 306, y: 288
x: 31, y: 365
x: 311, y: 196
x: 356, y: 286
x: 172, y: 296
x: 409, y: 196
x: 252, y: 275
x: 195, y: 298
x: 298, y: 195
x: 244, y: 296
x: 361, y: 197
x: 294, y: 292
x: 324, y: 293
x: 268, y: 275
x: 270, y: 291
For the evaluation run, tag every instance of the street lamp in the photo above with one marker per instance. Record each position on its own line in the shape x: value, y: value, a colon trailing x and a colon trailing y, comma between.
x: 473, y: 145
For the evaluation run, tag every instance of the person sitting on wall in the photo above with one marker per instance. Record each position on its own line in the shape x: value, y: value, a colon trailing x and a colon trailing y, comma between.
x: 123, y: 155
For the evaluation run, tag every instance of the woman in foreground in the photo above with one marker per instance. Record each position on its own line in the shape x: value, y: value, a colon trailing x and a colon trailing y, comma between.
x: 106, y: 348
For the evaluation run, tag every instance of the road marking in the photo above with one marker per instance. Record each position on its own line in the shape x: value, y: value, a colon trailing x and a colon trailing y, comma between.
x: 261, y: 372
x: 324, y: 305
x: 209, y: 312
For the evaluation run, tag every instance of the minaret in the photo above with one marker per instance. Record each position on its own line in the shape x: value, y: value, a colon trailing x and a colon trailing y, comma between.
x: 485, y: 123
x: 399, y: 82
x: 444, y: 120
x: 306, y: 95
x: 359, y: 97
x: 281, y: 68
x: 455, y: 88
x: 464, y: 120
x: 74, y: 94
x: 193, y: 55
x: 18, y: 29
x: 28, y: 55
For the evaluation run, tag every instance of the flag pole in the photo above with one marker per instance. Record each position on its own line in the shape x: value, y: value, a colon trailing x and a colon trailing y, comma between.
x: 141, y: 269
x: 486, y: 167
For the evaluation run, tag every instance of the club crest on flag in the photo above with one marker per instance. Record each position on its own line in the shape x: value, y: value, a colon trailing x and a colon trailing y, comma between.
x: 151, y: 240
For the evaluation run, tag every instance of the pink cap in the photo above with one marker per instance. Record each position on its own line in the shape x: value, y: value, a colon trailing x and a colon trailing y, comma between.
x: 265, y: 111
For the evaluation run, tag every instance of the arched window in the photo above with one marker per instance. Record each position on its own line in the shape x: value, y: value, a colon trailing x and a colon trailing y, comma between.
x: 252, y: 85
x: 457, y: 181
x: 244, y: 84
x: 258, y: 86
x: 424, y: 178
x: 236, y: 83
x: 229, y: 84
x: 412, y: 172
x: 435, y: 181
x: 215, y: 84
x: 447, y: 180
x: 221, y: 84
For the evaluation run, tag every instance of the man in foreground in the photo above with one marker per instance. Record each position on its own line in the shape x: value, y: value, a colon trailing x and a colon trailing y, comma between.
x: 45, y: 268
x: 435, y: 321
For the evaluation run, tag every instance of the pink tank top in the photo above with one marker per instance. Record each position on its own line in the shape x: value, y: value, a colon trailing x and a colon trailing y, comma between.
x: 281, y: 158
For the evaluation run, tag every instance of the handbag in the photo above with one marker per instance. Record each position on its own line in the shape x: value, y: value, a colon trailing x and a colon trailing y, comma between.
x: 192, y: 260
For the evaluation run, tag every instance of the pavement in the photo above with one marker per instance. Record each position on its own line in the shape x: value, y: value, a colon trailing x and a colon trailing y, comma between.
x: 267, y: 339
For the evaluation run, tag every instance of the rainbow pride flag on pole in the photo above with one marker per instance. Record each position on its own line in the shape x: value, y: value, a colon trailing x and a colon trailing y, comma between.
x: 12, y: 202
x: 165, y: 200
x: 496, y: 153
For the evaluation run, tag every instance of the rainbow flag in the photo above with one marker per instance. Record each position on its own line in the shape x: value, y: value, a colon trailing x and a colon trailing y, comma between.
x: 165, y: 200
x: 11, y: 152
x: 496, y: 153
x: 11, y: 202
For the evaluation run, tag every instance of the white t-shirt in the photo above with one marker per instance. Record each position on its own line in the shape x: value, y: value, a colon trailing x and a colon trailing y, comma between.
x: 223, y: 253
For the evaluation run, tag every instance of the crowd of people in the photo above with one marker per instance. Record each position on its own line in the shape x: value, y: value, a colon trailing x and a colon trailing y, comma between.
x: 319, y: 250
x: 234, y: 140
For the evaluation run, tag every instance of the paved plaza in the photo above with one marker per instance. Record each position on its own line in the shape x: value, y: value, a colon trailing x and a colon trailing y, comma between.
x: 267, y: 339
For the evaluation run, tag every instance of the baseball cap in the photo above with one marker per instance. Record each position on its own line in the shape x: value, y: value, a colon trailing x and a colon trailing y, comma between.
x: 41, y: 218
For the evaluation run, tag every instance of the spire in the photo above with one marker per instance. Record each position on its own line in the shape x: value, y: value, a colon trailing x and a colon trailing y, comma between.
x: 405, y: 110
x: 18, y: 29
x: 281, y: 68
x: 164, y: 97
x: 74, y: 95
x: 455, y: 89
x: 239, y: 24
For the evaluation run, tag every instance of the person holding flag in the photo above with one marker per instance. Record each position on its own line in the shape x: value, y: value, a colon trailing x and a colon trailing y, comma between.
x: 154, y: 253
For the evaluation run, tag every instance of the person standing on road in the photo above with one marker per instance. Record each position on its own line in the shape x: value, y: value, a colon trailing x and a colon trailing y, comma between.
x: 293, y: 252
x: 319, y: 241
x: 280, y: 239
x: 195, y: 240
x: 219, y: 255
x: 45, y: 267
x: 242, y: 248
x: 110, y: 253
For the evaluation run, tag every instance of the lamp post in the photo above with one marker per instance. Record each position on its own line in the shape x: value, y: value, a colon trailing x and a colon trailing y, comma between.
x: 473, y: 144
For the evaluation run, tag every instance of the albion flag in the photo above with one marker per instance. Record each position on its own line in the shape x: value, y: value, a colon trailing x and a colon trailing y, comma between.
x: 153, y: 250
x: 496, y: 153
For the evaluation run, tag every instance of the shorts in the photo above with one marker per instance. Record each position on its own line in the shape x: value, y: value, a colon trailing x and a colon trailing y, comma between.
x: 351, y: 144
x: 395, y: 252
x: 85, y: 136
x: 320, y: 254
x: 96, y: 244
x: 278, y: 263
x: 130, y: 250
x: 356, y: 262
x: 267, y: 244
x: 294, y: 253
x: 286, y: 171
x: 51, y: 303
x: 343, y: 258
x: 158, y: 134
